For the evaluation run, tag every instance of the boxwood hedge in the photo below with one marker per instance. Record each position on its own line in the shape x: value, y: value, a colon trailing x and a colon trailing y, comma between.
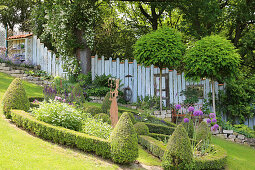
x: 160, y: 129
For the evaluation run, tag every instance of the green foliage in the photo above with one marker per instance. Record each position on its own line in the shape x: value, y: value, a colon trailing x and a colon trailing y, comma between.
x: 61, y: 135
x: 77, y: 95
x: 15, y: 98
x: 189, y: 127
x: 148, y: 102
x: 160, y: 129
x: 191, y: 95
x: 160, y: 137
x: 96, y: 127
x: 178, y: 153
x: 157, y: 148
x: 106, y: 103
x: 124, y: 142
x: 104, y: 117
x: 162, y: 48
x: 59, y: 114
x: 212, y: 57
x: 98, y: 91
x: 203, y: 132
x: 85, y: 80
x: 141, y: 128
x: 101, y: 81
x: 245, y: 130
x: 93, y: 110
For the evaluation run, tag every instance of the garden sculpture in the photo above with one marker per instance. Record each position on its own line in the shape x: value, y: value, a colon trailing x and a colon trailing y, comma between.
x: 113, y: 99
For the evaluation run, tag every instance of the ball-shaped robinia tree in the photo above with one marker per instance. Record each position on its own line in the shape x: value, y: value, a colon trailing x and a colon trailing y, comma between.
x: 212, y: 57
x: 162, y: 48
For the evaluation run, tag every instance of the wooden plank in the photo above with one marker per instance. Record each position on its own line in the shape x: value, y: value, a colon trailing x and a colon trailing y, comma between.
x: 114, y: 68
x: 93, y: 67
x: 152, y: 81
x: 183, y: 86
x: 110, y: 66
x: 139, y: 77
x: 26, y: 49
x: 34, y: 49
x: 118, y: 68
x: 49, y: 62
x: 102, y: 65
x: 99, y: 67
x: 126, y: 72
x: 175, y: 81
x: 130, y: 79
x: 122, y: 75
x: 54, y: 65
x: 96, y: 65
x: 38, y: 52
x: 107, y: 67
x: 179, y: 88
x: 147, y: 81
x: 134, y: 82
x: 171, y: 92
x: 216, y: 85
x: 143, y: 84
x: 207, y: 88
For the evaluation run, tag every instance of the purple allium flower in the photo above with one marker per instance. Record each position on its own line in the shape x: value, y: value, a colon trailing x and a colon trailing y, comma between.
x: 216, y: 126
x: 212, y: 115
x: 177, y: 107
x: 208, y: 121
x: 191, y: 109
x: 186, y: 120
x: 200, y: 112
x: 196, y: 113
x: 214, y: 120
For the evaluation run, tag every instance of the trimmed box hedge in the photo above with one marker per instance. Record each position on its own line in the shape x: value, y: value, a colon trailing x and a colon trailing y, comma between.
x: 162, y: 137
x: 160, y: 129
x: 215, y: 160
x: 61, y: 135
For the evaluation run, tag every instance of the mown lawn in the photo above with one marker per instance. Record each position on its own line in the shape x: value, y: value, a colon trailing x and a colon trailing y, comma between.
x: 20, y: 150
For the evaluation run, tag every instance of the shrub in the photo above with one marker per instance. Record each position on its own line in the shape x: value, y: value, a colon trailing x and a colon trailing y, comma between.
x: 160, y: 129
x: 59, y: 114
x: 245, y: 130
x: 106, y: 103
x: 124, y: 142
x: 15, y: 98
x: 189, y: 127
x: 203, y: 132
x: 160, y: 137
x: 61, y: 135
x: 85, y: 80
x: 93, y: 110
x: 141, y: 128
x: 77, y: 95
x: 104, y: 117
x: 31, y: 99
x: 178, y: 153
x: 96, y: 128
x: 157, y: 148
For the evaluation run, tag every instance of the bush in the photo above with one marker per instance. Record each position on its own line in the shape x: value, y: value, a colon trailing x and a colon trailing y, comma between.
x: 77, y: 95
x: 141, y: 128
x: 59, y: 114
x: 15, y: 98
x: 124, y: 142
x: 85, y: 80
x: 189, y: 127
x: 157, y: 148
x: 104, y: 117
x: 160, y: 137
x: 61, y: 135
x: 93, y: 110
x: 31, y: 99
x: 244, y: 130
x: 203, y: 132
x: 96, y: 128
x: 160, y: 129
x: 106, y: 103
x: 178, y: 154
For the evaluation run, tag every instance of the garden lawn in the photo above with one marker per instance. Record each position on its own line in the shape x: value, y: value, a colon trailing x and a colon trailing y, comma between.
x: 240, y: 157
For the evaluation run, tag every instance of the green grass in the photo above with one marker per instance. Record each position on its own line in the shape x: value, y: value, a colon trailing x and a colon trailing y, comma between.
x: 240, y: 157
x: 146, y: 158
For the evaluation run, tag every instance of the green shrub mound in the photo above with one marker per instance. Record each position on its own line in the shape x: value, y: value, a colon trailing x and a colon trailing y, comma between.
x: 77, y: 94
x: 93, y: 110
x: 189, y: 127
x: 104, y: 117
x: 106, y: 103
x: 124, y: 142
x: 160, y: 137
x: 131, y: 115
x: 160, y: 129
x: 61, y: 135
x: 178, y: 154
x: 15, y: 98
x: 203, y: 132
x: 141, y: 128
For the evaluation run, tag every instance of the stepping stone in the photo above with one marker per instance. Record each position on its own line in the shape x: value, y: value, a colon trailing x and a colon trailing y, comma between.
x: 7, y: 68
x: 4, y: 65
x: 228, y: 132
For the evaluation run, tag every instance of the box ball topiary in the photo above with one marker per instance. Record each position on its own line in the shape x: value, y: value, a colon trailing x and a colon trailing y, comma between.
x: 124, y: 142
x: 178, y: 154
x: 104, y: 117
x: 141, y: 128
x: 15, y: 98
x: 203, y: 132
x: 189, y: 127
x: 106, y: 103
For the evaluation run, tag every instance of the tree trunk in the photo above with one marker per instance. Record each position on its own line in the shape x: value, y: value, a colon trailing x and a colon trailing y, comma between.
x: 160, y: 89
x: 213, y: 96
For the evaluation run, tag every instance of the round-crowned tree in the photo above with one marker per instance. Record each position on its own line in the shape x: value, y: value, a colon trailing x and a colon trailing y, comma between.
x: 178, y: 154
x: 124, y: 142
x: 162, y: 48
x: 15, y: 98
x: 212, y: 57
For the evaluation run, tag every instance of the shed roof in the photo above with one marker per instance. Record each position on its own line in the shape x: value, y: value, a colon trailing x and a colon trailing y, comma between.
x: 19, y: 36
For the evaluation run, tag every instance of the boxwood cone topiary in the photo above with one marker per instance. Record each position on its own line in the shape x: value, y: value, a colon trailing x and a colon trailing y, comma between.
x: 189, y: 127
x: 124, y: 142
x: 15, y: 98
x: 203, y: 132
x: 106, y: 103
x: 178, y: 154
x: 141, y: 128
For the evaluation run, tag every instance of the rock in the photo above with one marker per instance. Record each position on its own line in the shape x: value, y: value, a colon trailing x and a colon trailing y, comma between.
x: 133, y: 107
x: 163, y: 112
x: 232, y: 136
x: 223, y: 136
x: 7, y: 68
x: 241, y: 137
x: 230, y: 139
x: 17, y: 71
x: 239, y: 140
x: 4, y: 65
x: 156, y: 112
x: 228, y: 131
x: 215, y: 132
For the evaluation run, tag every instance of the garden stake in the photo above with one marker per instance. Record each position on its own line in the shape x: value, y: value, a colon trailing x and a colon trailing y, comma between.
x: 113, y: 99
